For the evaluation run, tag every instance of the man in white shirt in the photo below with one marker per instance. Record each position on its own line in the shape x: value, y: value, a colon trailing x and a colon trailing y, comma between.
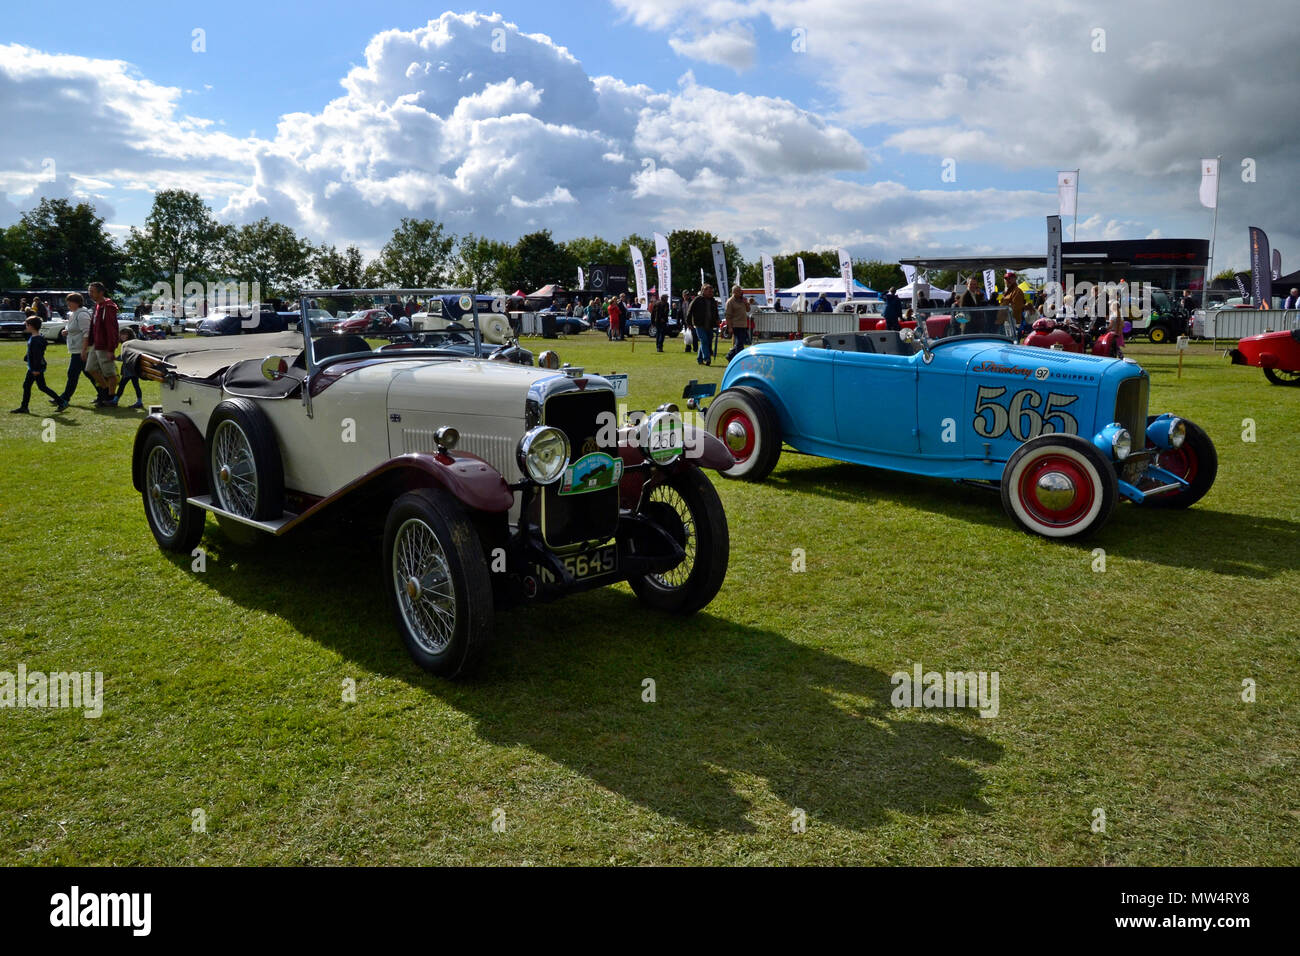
x: 1293, y: 300
x: 77, y: 329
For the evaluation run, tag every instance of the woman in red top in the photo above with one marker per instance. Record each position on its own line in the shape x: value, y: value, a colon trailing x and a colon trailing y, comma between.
x: 615, y: 320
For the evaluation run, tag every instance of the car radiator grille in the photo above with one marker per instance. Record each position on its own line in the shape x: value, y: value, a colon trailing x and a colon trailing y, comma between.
x: 496, y: 451
x: 592, y: 516
x: 1131, y: 408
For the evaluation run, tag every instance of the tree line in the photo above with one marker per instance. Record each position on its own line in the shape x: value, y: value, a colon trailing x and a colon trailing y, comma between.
x: 62, y: 245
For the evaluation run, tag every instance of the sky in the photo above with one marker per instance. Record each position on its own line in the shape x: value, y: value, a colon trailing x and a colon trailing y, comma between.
x: 890, y: 129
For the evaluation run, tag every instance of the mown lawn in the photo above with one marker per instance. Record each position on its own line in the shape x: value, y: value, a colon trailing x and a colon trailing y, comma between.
x: 1118, y: 690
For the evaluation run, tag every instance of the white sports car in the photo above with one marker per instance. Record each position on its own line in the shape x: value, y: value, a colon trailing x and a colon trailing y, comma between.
x: 499, y: 481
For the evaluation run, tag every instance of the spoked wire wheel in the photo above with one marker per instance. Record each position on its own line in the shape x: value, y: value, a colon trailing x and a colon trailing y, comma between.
x: 165, y: 498
x: 234, y: 470
x: 670, y: 511
x: 422, y: 581
x: 687, y: 509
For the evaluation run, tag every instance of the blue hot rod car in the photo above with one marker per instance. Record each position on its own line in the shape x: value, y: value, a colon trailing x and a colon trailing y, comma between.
x: 1062, y: 434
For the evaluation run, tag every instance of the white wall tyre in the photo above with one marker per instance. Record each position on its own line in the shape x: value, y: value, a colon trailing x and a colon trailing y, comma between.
x: 1059, y: 486
x: 244, y: 468
x: 437, y: 582
x: 743, y: 419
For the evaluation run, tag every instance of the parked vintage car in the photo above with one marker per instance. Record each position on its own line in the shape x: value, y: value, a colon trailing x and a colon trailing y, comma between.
x: 235, y: 321
x: 13, y: 323
x: 493, y: 481
x: 1061, y: 435
x: 1277, y: 353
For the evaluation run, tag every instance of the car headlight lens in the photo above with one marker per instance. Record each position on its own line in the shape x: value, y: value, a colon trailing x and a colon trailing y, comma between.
x: 544, y: 454
x: 1177, y: 433
x: 1121, y: 443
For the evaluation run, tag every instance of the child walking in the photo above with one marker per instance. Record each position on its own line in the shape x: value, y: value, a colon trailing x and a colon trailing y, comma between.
x: 36, y: 367
x: 129, y: 373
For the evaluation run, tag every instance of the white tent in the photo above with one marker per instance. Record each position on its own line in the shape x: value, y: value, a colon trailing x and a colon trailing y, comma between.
x: 830, y: 286
x: 936, y: 294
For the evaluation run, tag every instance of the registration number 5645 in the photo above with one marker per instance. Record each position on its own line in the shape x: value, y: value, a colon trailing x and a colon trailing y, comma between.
x: 589, y: 564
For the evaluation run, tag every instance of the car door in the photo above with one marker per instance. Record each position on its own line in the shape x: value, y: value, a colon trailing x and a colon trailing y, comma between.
x: 875, y: 402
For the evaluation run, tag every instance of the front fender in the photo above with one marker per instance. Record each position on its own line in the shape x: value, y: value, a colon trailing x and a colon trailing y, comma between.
x: 474, y: 482
x: 187, y: 446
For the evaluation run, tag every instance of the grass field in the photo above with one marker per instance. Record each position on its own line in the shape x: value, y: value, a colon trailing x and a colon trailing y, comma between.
x: 1119, y: 690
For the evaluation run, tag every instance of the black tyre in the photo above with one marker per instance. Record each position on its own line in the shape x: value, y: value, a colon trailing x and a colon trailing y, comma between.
x: 176, y: 524
x: 1281, y: 377
x: 1196, y: 462
x: 244, y: 467
x: 745, y: 421
x: 688, y: 508
x: 1158, y: 334
x: 437, y: 582
x: 1059, y: 486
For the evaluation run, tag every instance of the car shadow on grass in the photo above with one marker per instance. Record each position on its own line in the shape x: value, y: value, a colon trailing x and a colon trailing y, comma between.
x: 746, y: 725
x: 1196, y: 538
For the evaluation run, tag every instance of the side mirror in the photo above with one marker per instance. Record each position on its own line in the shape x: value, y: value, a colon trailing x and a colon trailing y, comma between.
x: 274, y: 368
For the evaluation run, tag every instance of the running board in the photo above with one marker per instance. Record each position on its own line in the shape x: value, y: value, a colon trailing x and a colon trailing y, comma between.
x: 272, y: 526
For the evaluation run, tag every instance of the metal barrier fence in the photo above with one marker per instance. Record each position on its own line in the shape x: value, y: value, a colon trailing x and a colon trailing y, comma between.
x: 1233, y: 324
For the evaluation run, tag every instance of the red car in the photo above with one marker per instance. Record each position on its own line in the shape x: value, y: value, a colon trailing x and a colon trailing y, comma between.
x: 1277, y: 353
x: 365, y: 320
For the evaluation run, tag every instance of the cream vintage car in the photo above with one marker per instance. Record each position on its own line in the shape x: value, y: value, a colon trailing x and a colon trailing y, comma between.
x: 498, y: 482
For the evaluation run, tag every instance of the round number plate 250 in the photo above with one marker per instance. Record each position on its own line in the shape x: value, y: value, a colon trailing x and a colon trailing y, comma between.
x: 1027, y: 415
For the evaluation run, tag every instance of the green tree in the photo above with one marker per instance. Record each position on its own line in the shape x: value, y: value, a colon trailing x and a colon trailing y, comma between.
x: 418, y: 256
x: 879, y: 275
x: 180, y: 237
x: 540, y: 260
x: 479, y: 263
x: 60, y: 245
x: 331, y: 269
x: 269, y: 253
x: 592, y: 250
x: 692, y: 250
x: 9, y: 277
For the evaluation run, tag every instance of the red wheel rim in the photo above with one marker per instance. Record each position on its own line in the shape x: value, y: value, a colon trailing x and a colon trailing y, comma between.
x: 1180, y: 461
x: 741, y: 419
x: 1068, y: 514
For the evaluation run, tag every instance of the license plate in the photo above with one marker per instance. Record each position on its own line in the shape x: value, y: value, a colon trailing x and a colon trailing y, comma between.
x: 591, y: 564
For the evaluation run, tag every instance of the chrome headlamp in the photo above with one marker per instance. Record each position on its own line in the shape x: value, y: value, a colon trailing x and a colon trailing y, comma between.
x: 1121, y: 444
x: 1177, y: 432
x: 543, y: 454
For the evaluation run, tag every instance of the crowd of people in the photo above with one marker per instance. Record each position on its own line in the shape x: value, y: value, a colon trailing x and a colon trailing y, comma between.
x: 92, y: 339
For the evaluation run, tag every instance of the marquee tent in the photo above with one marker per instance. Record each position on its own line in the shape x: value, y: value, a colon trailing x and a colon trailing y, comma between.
x: 830, y: 286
